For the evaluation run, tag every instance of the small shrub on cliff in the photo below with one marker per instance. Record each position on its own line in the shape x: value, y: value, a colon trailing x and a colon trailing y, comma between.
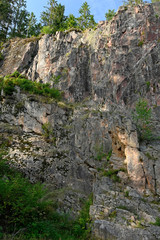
x: 48, y: 133
x: 9, y: 82
x: 157, y: 223
x: 132, y: 2
x: 142, y: 118
x: 110, y: 14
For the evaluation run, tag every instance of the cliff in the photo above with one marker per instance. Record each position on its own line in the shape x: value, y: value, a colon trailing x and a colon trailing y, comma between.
x: 89, y: 141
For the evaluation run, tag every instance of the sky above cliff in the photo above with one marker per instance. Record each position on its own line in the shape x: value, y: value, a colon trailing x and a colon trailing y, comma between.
x: 98, y: 7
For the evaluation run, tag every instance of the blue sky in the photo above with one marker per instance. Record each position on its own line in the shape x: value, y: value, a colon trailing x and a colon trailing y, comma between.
x: 98, y: 7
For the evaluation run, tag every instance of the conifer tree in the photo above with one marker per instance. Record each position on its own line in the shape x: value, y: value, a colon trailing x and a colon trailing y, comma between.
x: 71, y: 22
x: 33, y: 29
x: 5, y: 18
x: 19, y: 19
x: 86, y: 20
x: 53, y: 16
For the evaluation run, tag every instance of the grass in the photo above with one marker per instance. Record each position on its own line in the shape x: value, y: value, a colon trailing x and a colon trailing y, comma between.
x: 48, y: 133
x: 112, y: 173
x: 157, y: 223
x: 140, y: 44
x: 101, y: 154
x: 9, y: 82
x: 123, y: 207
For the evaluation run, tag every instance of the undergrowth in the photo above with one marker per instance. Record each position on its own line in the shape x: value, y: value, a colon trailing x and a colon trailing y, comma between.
x: 9, y: 82
x: 25, y: 215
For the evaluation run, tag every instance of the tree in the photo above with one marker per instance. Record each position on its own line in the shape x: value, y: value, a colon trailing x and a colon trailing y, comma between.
x: 33, y: 29
x: 71, y: 22
x: 19, y: 19
x: 86, y: 20
x: 110, y: 14
x: 53, y: 16
x: 5, y: 18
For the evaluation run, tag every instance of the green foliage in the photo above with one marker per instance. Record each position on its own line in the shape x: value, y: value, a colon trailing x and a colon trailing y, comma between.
x: 1, y: 56
x: 110, y: 14
x: 9, y: 82
x: 123, y: 207
x: 140, y: 44
x: 113, y: 214
x: 47, y: 30
x: 112, y: 173
x: 55, y: 79
x: 48, y: 132
x: 109, y: 155
x: 25, y: 214
x: 18, y: 27
x: 157, y: 223
x: 132, y: 2
x: 80, y: 226
x: 126, y: 194
x: 142, y: 118
x: 15, y: 21
x: 33, y: 29
x: 153, y: 1
x: 53, y: 16
x: 86, y: 20
x: 5, y: 18
x: 100, y: 154
x: 71, y: 22
x: 148, y: 85
x: 20, y: 201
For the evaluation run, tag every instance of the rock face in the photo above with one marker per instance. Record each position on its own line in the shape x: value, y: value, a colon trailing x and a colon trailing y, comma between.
x: 67, y: 145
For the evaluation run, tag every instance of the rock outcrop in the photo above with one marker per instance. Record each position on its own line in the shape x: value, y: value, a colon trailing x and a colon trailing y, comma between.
x: 67, y: 145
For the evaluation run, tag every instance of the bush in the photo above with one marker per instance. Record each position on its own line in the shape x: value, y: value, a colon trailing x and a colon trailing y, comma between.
x: 132, y: 2
x: 20, y: 201
x: 47, y: 30
x: 24, y: 214
x: 110, y: 14
x: 142, y: 118
x: 9, y: 82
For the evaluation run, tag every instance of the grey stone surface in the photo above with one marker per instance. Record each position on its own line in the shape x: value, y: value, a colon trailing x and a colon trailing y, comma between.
x: 67, y: 145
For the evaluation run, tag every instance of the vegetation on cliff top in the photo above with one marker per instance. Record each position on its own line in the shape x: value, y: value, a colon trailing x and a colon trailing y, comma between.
x: 16, y: 21
x: 8, y: 83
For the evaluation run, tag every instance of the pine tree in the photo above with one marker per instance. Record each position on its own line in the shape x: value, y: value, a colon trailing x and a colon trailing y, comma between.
x: 71, y: 22
x: 19, y: 19
x: 53, y: 16
x: 33, y: 29
x: 86, y: 20
x: 5, y: 18
x: 109, y: 15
